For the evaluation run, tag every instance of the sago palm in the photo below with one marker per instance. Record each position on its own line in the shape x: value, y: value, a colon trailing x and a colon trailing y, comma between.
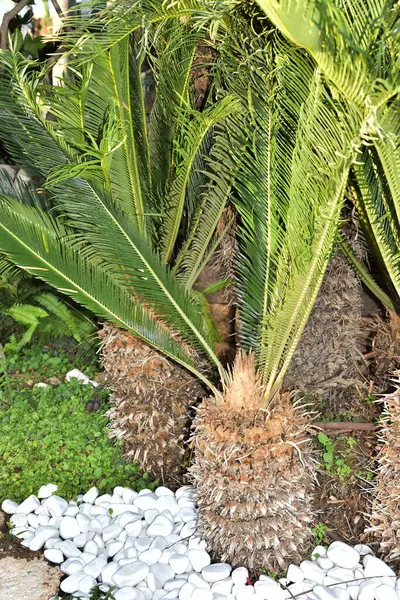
x: 156, y: 183
x: 284, y: 149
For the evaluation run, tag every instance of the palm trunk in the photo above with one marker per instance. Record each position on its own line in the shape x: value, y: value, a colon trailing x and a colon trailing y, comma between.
x: 152, y: 400
x: 254, y: 475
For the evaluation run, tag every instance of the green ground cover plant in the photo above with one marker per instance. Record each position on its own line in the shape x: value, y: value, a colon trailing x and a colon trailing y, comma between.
x: 49, y: 435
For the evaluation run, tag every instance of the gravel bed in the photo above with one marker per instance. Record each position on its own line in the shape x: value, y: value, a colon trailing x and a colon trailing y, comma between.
x: 144, y: 546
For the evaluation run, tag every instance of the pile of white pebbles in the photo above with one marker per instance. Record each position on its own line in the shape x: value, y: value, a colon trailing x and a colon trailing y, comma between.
x: 144, y: 546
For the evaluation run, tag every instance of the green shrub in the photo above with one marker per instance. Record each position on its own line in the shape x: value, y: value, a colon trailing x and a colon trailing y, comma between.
x: 47, y: 435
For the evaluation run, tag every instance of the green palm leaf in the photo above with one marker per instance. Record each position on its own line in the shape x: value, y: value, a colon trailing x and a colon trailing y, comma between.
x: 44, y: 248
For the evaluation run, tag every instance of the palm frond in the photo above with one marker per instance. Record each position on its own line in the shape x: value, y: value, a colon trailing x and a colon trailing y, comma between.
x: 290, y: 189
x: 43, y: 247
x: 193, y: 130
x: 101, y: 25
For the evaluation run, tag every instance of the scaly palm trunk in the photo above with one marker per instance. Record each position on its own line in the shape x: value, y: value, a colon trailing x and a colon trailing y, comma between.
x: 152, y: 399
x: 254, y: 474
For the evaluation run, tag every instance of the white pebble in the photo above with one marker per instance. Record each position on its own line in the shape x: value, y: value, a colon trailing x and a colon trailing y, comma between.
x: 56, y: 505
x: 160, y: 526
x: 86, y: 584
x: 202, y: 595
x: 94, y: 567
x: 131, y: 574
x: 216, y: 572
x: 179, y: 563
x: 374, y: 567
x: 53, y: 555
x: 42, y: 534
x: 343, y: 555
x: 91, y: 495
x: 9, y: 507
x: 69, y: 528
x: 200, y: 559
x: 45, y: 491
x: 29, y: 505
x: 69, y: 549
x: 71, y: 583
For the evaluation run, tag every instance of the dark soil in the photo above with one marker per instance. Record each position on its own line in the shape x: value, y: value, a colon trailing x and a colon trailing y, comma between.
x: 10, y: 546
x: 342, y: 498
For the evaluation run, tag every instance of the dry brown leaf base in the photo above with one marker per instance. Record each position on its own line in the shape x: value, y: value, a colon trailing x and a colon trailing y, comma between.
x: 385, y: 513
x: 152, y: 400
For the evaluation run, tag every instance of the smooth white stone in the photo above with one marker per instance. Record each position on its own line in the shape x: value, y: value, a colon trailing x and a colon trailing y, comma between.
x: 116, y: 499
x: 160, y: 526
x: 105, y: 520
x: 87, y: 557
x: 385, y: 592
x: 91, y: 547
x: 19, y: 520
x: 95, y: 526
x: 131, y: 574
x: 69, y: 549
x: 150, y: 515
x: 113, y: 547
x: 324, y: 593
x: 167, y: 503
x: 317, y: 552
x: 153, y: 582
x: 223, y: 587
x: 179, y: 548
x: 353, y: 590
x: 199, y: 582
x: 186, y: 501
x: 163, y: 491
x: 129, y: 495
x: 145, y: 502
x: 99, y: 540
x: 202, y: 595
x: 108, y: 571
x: 82, y: 539
x: 56, y: 505
x: 159, y: 542
x: 239, y: 575
x: 9, y: 507
x: 85, y: 509
x: 343, y: 555
x: 53, y: 555
x: 363, y: 549
x: 145, y: 492
x: 111, y: 532
x: 90, y: 495
x: 187, y: 514
x: 26, y: 541
x: 22, y: 532
x: 96, y: 511
x: 128, y: 593
x: 248, y: 592
x: 195, y: 543
x: 341, y: 594
x: 330, y: 581
x: 45, y: 491
x: 95, y: 567
x: 145, y: 591
x: 72, y: 565
x: 130, y: 552
x: 325, y: 563
x: 69, y: 528
x: 134, y: 528
x: 29, y: 505
x: 150, y: 557
x: 374, y: 567
x: 162, y: 572
x: 55, y: 522
x: 312, y: 571
x: 42, y: 510
x: 188, y: 529
x: 33, y: 520
x: 86, y: 584
x: 71, y: 583
x: 123, y: 536
x: 200, y: 559
x: 72, y: 511
x: 295, y: 574
x: 340, y: 574
x: 119, y: 509
x: 43, y: 520
x: 179, y: 563
x: 172, y: 539
x: 186, y: 591
x: 165, y: 556
x: 216, y: 572
x: 103, y: 499
x: 128, y: 517
x: 268, y: 589
x: 42, y: 534
x: 174, y: 584
x: 53, y: 543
